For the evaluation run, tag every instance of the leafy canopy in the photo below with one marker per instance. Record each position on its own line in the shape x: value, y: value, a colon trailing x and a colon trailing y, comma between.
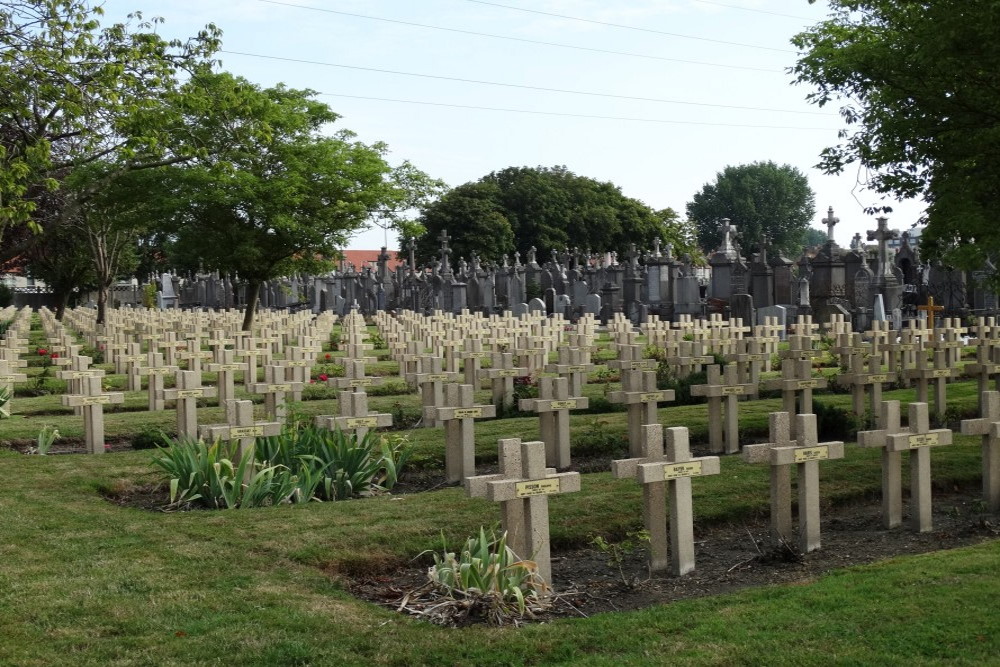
x: 918, y: 84
x: 766, y: 202
x: 550, y: 209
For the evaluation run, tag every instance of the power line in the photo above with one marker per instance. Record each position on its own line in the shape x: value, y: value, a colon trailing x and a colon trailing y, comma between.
x: 521, y: 86
x: 525, y: 40
x: 752, y: 9
x: 630, y: 27
x: 577, y: 115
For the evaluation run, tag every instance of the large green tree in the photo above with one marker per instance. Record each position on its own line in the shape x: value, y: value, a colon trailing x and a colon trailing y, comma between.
x: 550, y: 209
x: 765, y: 201
x: 918, y: 85
x: 73, y: 93
x: 262, y: 206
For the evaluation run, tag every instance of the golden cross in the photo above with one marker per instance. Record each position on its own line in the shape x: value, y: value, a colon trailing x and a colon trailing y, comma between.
x: 930, y: 309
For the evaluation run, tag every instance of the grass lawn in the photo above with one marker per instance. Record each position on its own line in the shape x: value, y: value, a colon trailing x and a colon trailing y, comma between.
x: 84, y: 581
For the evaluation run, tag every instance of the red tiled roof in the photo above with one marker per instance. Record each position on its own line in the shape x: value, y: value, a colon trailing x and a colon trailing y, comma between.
x: 362, y: 258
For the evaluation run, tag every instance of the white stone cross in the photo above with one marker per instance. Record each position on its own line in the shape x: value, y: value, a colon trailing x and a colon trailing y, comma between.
x: 242, y: 429
x: 354, y: 415
x: 662, y: 474
x: 501, y: 375
x: 458, y: 417
x: 640, y: 396
x: 892, y: 465
x: 92, y: 399
x: 275, y: 387
x: 522, y: 489
x: 553, y: 405
x: 918, y: 441
x: 988, y: 426
x: 723, y: 428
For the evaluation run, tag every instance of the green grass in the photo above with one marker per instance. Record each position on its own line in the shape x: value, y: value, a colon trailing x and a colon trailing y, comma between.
x: 86, y: 582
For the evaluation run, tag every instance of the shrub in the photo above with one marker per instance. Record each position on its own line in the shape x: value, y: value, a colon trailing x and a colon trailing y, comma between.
x: 149, y: 438
x: 834, y: 422
x: 490, y: 577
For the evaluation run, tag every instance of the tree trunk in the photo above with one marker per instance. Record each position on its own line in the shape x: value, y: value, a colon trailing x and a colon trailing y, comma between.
x: 62, y: 301
x: 102, y: 303
x: 253, y: 296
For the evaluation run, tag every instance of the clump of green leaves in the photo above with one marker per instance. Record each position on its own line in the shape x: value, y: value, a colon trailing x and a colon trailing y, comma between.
x: 43, y: 443
x: 485, y: 579
x: 617, y: 552
x: 5, y: 396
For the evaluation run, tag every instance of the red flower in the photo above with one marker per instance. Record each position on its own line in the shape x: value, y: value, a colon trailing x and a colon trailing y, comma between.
x: 107, y: 447
x: 54, y: 355
x: 328, y: 356
x: 42, y: 352
x: 100, y: 347
x: 323, y: 377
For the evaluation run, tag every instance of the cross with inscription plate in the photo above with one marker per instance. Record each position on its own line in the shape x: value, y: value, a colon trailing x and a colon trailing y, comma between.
x: 171, y: 346
x: 155, y: 370
x: 458, y: 417
x: 79, y: 368
x: 431, y: 380
x: 299, y: 360
x: 939, y: 373
x: 750, y: 359
x: 848, y: 346
x: 796, y: 385
x: 988, y: 426
x: 640, y: 396
x: 501, y: 375
x: 918, y: 442
x: 132, y: 361
x: 985, y: 367
x: 186, y: 393
x: 275, y: 387
x: 354, y: 377
x: 661, y: 474
x: 92, y: 399
x: 472, y: 356
x: 354, y: 415
x: 861, y: 378
x: 226, y: 370
x: 553, y: 405
x: 892, y: 466
x: 242, y: 429
x: 806, y: 453
x: 574, y: 365
x: 522, y: 489
x: 251, y: 354
x: 723, y: 390
x: 781, y: 475
x: 930, y: 309
x: 903, y: 354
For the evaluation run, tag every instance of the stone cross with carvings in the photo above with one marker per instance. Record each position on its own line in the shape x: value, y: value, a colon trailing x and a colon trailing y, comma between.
x: 553, y: 405
x: 92, y: 399
x: 892, y: 466
x: 458, y: 417
x: 918, y: 441
x: 883, y: 234
x: 522, y: 489
x: 830, y: 221
x: 664, y: 473
x: 186, y: 394
x: 640, y: 396
x: 988, y: 426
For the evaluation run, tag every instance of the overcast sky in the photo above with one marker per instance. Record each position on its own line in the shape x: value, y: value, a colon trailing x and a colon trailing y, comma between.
x: 711, y: 75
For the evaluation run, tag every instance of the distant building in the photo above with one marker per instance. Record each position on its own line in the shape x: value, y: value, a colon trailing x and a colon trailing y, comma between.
x: 362, y: 258
x: 896, y: 244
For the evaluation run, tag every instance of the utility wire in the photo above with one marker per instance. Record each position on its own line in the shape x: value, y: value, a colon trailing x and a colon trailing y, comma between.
x: 525, y: 40
x: 521, y: 86
x: 752, y: 9
x: 577, y: 115
x: 630, y: 27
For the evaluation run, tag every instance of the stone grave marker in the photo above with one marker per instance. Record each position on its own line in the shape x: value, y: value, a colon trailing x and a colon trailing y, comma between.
x: 796, y: 385
x: 458, y: 417
x: 918, y: 440
x: 92, y: 399
x: 242, y: 429
x: 7, y: 380
x: 186, y: 394
x: 354, y: 415
x: 892, y: 465
x: 662, y: 473
x: 988, y: 426
x: 275, y: 388
x: 640, y: 396
x: 938, y: 372
x: 574, y: 365
x: 779, y: 424
x: 431, y: 381
x: 553, y: 405
x: 522, y: 488
x: 226, y: 370
x: 501, y: 376
x: 723, y: 390
x: 864, y: 380
x: 155, y: 370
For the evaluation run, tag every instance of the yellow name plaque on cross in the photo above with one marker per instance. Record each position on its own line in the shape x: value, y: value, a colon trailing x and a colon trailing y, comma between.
x: 812, y: 454
x: 808, y: 384
x: 362, y: 422
x: 271, y: 388
x: 563, y: 405
x: 507, y: 374
x: 536, y: 487
x: 361, y: 382
x: 468, y: 413
x: 738, y: 390
x: 651, y: 397
x: 95, y: 400
x: 679, y: 470
x: 923, y: 440
x: 190, y: 393
x: 878, y: 378
x: 245, y: 431
x: 941, y: 373
x: 437, y: 377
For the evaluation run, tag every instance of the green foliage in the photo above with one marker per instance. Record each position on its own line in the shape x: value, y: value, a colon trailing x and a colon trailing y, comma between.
x: 765, y: 201
x: 617, y: 552
x: 917, y: 90
x: 334, y: 465
x: 546, y: 208
x: 6, y: 299
x: 485, y: 568
x: 46, y: 437
x: 149, y: 295
x: 836, y: 422
x: 149, y: 437
x: 813, y: 237
x: 5, y: 396
x: 205, y: 474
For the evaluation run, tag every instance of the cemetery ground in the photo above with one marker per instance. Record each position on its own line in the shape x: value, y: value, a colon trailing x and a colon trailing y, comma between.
x: 89, y: 574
